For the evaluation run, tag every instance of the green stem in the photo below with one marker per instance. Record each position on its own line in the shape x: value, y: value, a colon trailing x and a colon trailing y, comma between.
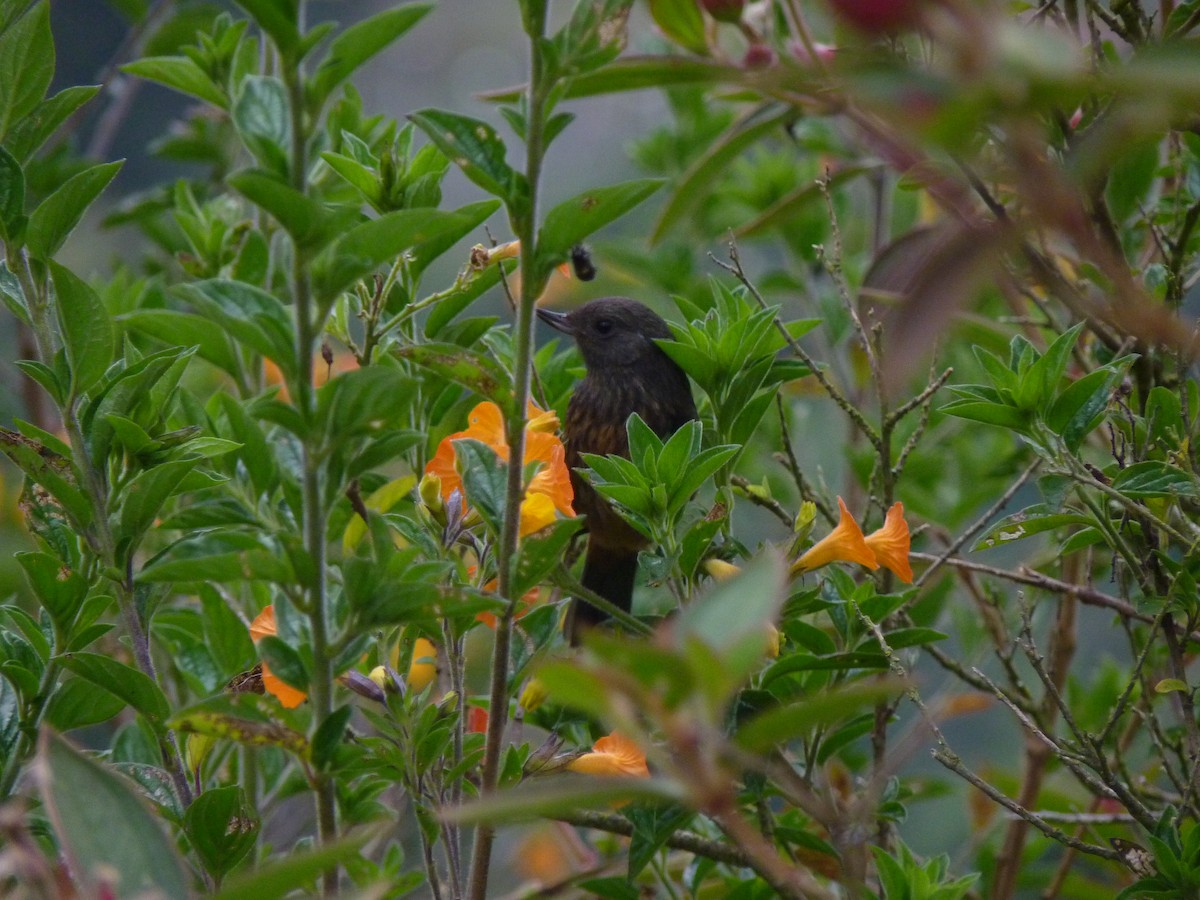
x: 98, y: 537
x: 524, y: 226
x: 307, y: 333
x: 30, y: 724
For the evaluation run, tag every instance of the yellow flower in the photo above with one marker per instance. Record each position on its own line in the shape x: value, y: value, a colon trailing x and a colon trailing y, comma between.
x: 549, y: 490
x: 533, y: 696
x: 774, y: 641
x: 891, y: 544
x: 612, y: 755
x: 720, y: 570
x: 423, y: 669
x: 262, y: 626
x: 844, y: 544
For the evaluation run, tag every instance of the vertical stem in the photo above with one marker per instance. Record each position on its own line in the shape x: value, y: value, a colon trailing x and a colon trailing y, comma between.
x: 98, y: 538
x: 307, y: 332
x: 531, y: 284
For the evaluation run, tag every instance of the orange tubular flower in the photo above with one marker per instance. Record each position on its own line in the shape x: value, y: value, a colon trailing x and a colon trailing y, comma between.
x: 615, y: 756
x: 288, y: 696
x: 844, y: 544
x: 891, y: 543
x: 549, y: 490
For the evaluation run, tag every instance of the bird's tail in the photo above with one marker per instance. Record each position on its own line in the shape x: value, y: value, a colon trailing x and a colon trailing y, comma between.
x: 611, y: 574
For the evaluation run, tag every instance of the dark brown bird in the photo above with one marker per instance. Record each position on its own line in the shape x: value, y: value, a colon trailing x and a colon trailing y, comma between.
x: 626, y: 373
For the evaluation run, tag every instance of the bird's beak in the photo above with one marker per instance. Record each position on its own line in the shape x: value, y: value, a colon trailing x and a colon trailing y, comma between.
x: 556, y: 320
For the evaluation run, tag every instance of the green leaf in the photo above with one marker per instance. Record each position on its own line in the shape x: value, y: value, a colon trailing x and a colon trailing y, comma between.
x: 12, y: 197
x: 143, y: 499
x: 247, y: 313
x: 359, y: 43
x: 540, y: 553
x: 311, y: 224
x: 1026, y: 523
x: 219, y: 556
x: 1154, y: 480
x: 1041, y: 382
x: 260, y: 114
x: 112, y: 842
x: 681, y: 21
x: 365, y: 247
x: 355, y: 401
x: 573, y: 220
x: 14, y: 298
x: 697, y: 181
x: 470, y: 368
x: 59, y: 589
x: 26, y: 65
x: 475, y: 147
x: 222, y: 827
x: 53, y: 472
x: 280, y: 21
x: 56, y: 216
x: 295, y: 871
x: 652, y: 825
x: 1130, y: 177
x: 831, y: 706
x: 174, y: 327
x: 86, y: 329
x: 28, y: 135
x: 1079, y: 408
x: 990, y: 413
x: 284, y: 661
x: 485, y: 478
x: 180, y: 73
x: 79, y: 703
x: 120, y: 680
x: 732, y: 618
x: 329, y: 736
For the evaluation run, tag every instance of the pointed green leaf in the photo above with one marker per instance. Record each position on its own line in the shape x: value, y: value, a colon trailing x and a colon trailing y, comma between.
x: 359, y: 43
x: 222, y: 828
x: 12, y: 196
x: 573, y: 220
x: 476, y: 148
x: 112, y: 841
x: 56, y: 216
x: 180, y: 73
x: 311, y: 224
x: 86, y: 328
x: 280, y: 20
x: 26, y: 65
x: 697, y: 181
x: 261, y: 117
x: 28, y: 135
x: 120, y: 680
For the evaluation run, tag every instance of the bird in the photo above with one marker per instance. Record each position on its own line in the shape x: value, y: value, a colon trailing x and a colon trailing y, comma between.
x: 627, y: 372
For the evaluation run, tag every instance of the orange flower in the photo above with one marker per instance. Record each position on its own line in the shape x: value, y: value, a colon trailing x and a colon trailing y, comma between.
x: 844, y: 544
x: 612, y: 755
x: 891, y: 543
x: 548, y: 491
x: 524, y: 605
x: 477, y: 720
x: 290, y: 697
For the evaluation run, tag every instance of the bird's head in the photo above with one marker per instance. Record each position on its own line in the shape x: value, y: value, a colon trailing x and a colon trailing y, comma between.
x: 613, y: 331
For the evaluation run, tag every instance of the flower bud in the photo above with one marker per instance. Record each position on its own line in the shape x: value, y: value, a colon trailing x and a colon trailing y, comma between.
x: 534, y: 695
x: 720, y: 570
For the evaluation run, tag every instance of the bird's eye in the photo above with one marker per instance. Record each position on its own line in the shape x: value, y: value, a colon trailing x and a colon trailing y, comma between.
x: 604, y: 326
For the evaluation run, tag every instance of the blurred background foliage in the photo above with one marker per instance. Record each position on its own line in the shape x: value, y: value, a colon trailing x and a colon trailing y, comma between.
x: 934, y: 252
